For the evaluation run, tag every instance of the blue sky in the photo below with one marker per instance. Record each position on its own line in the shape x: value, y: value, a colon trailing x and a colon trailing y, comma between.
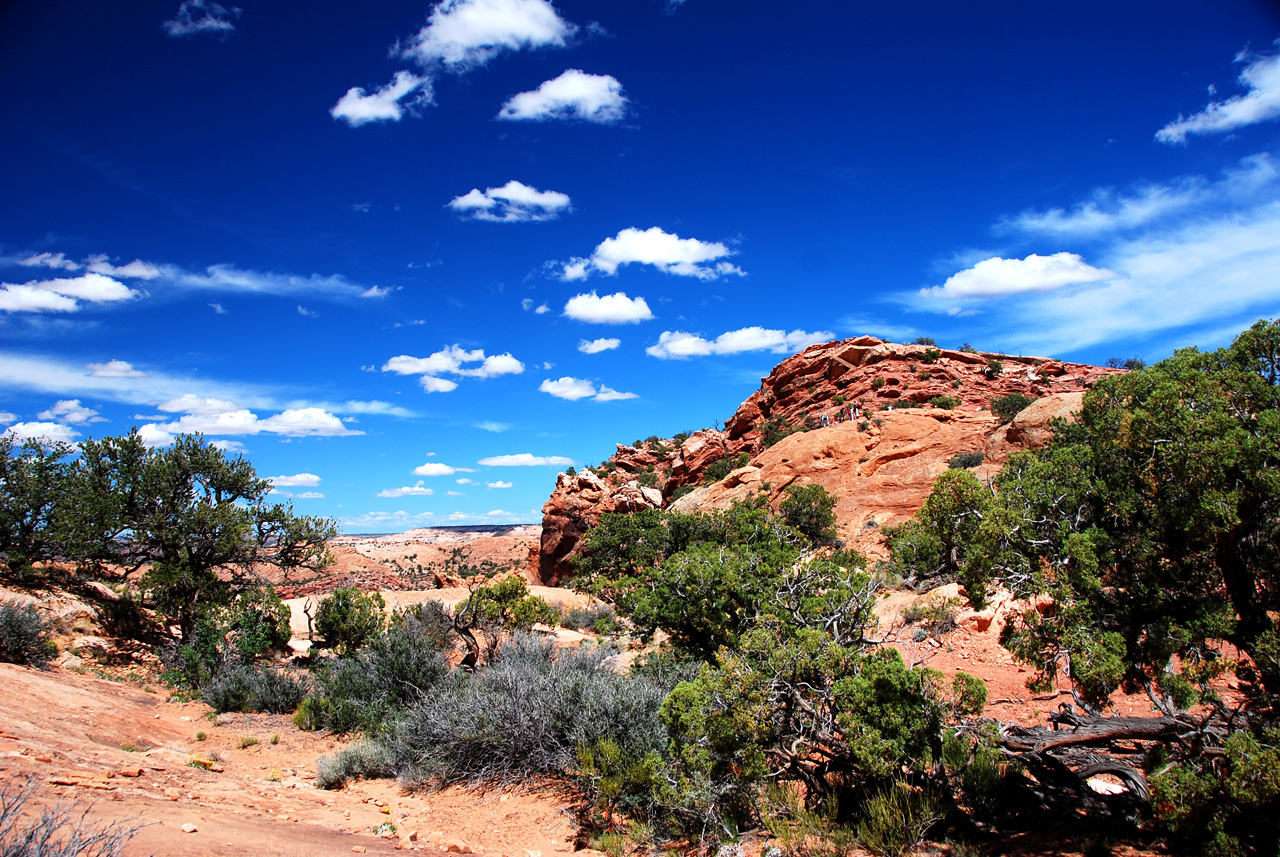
x: 414, y: 260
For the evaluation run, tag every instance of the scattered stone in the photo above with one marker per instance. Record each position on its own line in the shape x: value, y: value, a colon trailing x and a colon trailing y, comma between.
x: 129, y: 772
x: 189, y: 828
x: 457, y: 846
x: 357, y: 849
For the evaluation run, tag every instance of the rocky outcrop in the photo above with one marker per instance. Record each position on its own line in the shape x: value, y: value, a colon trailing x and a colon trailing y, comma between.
x: 880, y: 465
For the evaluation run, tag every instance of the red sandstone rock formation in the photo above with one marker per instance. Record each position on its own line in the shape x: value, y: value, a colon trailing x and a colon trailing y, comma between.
x: 880, y: 465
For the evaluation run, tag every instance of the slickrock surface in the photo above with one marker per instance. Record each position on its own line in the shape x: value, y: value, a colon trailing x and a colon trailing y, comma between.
x: 880, y: 465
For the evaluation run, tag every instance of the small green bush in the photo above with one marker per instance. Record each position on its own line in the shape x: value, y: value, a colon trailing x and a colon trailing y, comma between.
x: 968, y: 349
x: 925, y: 340
x: 680, y: 438
x: 348, y: 618
x: 931, y: 355
x: 965, y: 460
x: 877, y: 382
x: 994, y: 369
x: 810, y: 509
x: 955, y: 384
x: 1008, y: 407
x: 896, y: 819
x: 24, y: 636
x: 946, y: 403
x: 238, y: 686
x: 365, y: 759
x: 581, y: 618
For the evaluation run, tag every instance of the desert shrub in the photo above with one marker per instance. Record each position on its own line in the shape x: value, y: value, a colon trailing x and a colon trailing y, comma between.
x: 1226, y: 806
x: 925, y: 340
x: 838, y: 399
x: 965, y: 459
x: 931, y: 355
x: 571, y: 471
x: 1133, y: 364
x: 896, y: 819
x: 935, y: 615
x: 367, y: 760
x: 994, y: 369
x: 404, y: 661
x: 967, y: 348
x: 877, y: 382
x: 956, y: 384
x: 24, y: 636
x: 774, y: 430
x: 524, y: 715
x: 946, y: 403
x: 60, y: 830
x: 581, y: 618
x: 718, y: 469
x: 347, y: 618
x: 680, y: 438
x: 810, y: 509
x: 1008, y: 407
x: 239, y: 686
x: 259, y: 622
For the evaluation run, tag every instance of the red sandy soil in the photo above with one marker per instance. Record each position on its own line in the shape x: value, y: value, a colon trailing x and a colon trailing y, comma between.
x: 72, y: 733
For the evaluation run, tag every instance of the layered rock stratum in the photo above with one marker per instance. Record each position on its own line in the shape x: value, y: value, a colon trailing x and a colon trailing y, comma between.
x: 880, y: 464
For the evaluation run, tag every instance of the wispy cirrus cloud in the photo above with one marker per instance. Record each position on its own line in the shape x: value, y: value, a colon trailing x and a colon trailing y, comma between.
x: 1260, y: 76
x: 679, y: 345
x: 1190, y: 256
x: 527, y: 459
x: 514, y: 202
x: 574, y: 95
x: 201, y: 16
x: 685, y: 257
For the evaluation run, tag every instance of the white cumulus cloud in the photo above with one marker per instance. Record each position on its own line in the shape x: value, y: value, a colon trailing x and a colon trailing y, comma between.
x: 62, y: 295
x: 70, y: 412
x: 304, y: 480
x: 514, y: 202
x: 453, y: 360
x: 678, y: 345
x: 574, y: 389
x: 201, y: 16
x: 608, y: 309
x: 526, y: 459
x: 595, y: 346
x: 1261, y: 77
x: 432, y: 468
x: 405, y: 93
x: 464, y: 34
x: 573, y: 95
x: 114, y: 369
x: 666, y: 251
x: 998, y: 277
x: 498, y: 484
x: 408, y: 491
x: 41, y: 431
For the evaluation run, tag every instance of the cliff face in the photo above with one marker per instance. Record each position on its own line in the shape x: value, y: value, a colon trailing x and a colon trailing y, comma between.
x: 880, y: 465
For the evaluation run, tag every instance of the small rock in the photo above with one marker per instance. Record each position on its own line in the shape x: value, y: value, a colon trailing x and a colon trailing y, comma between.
x: 189, y: 828
x: 129, y: 772
x: 172, y: 794
x: 457, y: 846
x: 411, y: 836
x: 357, y: 849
